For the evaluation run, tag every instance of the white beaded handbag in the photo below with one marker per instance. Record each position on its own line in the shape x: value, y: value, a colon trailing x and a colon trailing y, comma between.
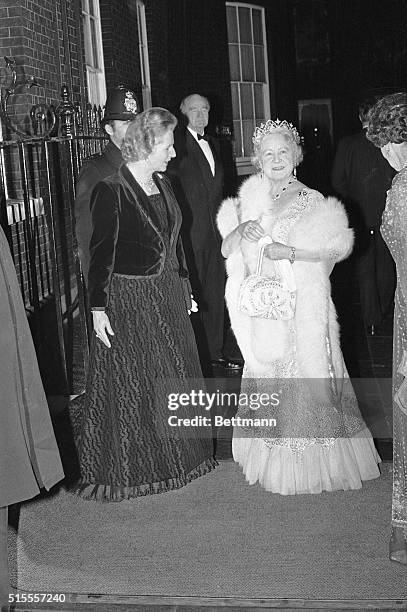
x: 269, y: 297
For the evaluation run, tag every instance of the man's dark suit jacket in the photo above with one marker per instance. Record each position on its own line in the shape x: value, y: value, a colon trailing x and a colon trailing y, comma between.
x: 94, y: 169
x: 198, y: 192
x: 361, y: 176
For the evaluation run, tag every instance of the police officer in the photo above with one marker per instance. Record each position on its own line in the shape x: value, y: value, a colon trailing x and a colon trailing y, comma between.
x: 121, y: 107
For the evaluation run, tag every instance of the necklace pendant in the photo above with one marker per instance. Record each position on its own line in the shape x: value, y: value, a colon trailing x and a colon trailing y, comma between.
x: 278, y: 195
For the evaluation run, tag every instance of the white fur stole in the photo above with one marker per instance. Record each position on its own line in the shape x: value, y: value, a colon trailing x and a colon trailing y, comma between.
x: 321, y: 228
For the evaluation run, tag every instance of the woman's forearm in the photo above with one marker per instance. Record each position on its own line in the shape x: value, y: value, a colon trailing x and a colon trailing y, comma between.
x: 306, y: 255
x: 328, y: 255
x: 277, y: 250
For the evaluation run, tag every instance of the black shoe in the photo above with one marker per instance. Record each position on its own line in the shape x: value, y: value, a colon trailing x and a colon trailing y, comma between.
x: 228, y: 364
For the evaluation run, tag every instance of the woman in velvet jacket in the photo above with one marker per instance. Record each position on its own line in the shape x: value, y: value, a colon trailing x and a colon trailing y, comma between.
x: 140, y: 299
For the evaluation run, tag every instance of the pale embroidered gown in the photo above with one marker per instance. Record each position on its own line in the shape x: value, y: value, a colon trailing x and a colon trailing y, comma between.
x: 394, y: 231
x: 317, y: 444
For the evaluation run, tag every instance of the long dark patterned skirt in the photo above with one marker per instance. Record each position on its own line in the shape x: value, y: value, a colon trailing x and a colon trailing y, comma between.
x: 126, y: 448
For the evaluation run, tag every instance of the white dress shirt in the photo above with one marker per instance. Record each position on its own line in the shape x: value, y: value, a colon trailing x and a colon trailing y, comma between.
x: 206, y: 149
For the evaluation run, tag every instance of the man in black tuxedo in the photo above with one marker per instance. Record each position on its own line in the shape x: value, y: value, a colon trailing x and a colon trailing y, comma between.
x: 197, y: 176
x: 361, y: 177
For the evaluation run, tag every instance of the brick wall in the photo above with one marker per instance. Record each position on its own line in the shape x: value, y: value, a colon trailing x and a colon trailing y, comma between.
x: 34, y: 33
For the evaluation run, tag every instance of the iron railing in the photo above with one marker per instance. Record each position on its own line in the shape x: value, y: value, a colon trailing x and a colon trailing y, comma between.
x: 39, y: 168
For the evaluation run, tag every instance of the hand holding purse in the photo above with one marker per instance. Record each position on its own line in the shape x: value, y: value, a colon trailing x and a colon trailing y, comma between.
x: 268, y: 297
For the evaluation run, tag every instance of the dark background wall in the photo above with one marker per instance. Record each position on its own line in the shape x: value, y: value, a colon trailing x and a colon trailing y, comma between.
x: 339, y: 50
x: 335, y: 49
x: 198, y: 59
x: 120, y: 44
x: 187, y: 47
x: 281, y: 56
x: 349, y: 49
x: 160, y: 40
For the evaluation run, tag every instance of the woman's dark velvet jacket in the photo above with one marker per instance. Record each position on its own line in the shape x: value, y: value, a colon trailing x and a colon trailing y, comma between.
x: 126, y: 238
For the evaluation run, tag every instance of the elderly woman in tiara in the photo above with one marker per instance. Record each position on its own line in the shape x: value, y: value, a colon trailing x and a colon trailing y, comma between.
x: 298, y: 428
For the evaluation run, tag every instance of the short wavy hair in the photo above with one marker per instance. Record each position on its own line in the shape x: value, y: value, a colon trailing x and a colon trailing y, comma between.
x: 295, y: 147
x: 144, y: 131
x: 184, y: 102
x: 388, y: 120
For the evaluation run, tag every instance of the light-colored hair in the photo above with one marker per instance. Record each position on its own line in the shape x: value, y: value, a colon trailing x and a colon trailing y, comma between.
x: 144, y: 131
x: 185, y: 101
x: 388, y: 120
x: 288, y: 136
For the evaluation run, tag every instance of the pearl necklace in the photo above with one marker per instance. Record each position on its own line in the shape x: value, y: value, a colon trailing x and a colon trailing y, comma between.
x: 148, y: 185
x: 278, y: 195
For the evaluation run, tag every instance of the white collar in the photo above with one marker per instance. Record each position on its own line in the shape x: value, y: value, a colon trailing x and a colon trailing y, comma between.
x: 194, y: 134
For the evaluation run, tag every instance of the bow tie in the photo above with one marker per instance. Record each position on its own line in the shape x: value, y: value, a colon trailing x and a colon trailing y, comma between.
x: 202, y: 137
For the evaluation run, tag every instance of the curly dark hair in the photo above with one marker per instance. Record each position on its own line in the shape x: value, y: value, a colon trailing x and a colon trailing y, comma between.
x: 388, y: 120
x: 144, y: 131
x: 364, y: 106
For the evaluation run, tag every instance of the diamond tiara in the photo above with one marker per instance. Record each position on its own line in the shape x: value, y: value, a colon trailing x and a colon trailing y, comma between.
x: 274, y: 126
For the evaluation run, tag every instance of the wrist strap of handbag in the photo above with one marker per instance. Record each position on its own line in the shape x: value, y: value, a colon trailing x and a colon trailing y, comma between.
x: 262, y: 243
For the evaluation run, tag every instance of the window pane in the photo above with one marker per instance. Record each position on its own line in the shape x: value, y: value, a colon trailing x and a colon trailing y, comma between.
x: 93, y: 52
x: 93, y: 89
x: 235, y: 100
x: 237, y: 140
x: 94, y: 44
x: 258, y: 103
x: 248, y: 73
x: 245, y: 26
x: 88, y: 50
x: 246, y: 98
x: 257, y: 27
x: 247, y: 63
x: 234, y: 62
x: 248, y: 129
x: 260, y: 68
x: 231, y: 16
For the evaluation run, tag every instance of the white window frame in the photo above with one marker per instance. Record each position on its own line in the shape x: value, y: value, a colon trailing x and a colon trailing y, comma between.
x: 95, y: 74
x: 243, y: 163
x: 143, y: 50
